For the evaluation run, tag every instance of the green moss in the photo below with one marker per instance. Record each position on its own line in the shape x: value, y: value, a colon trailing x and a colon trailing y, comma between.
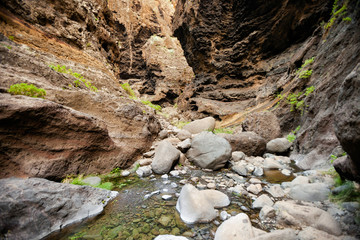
x: 106, y: 185
x: 150, y: 104
x: 180, y: 124
x: 223, y: 130
x: 27, y: 90
x: 128, y: 89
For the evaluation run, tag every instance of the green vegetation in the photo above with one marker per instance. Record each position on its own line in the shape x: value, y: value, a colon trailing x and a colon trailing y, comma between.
x: 301, y: 73
x: 337, y: 12
x: 296, y: 100
x: 347, y: 19
x: 11, y: 38
x: 128, y: 90
x: 305, y: 73
x: 79, y: 78
x: 292, y: 136
x: 79, y: 181
x: 223, y: 130
x: 7, y: 46
x: 180, y: 124
x: 27, y: 90
x: 348, y: 194
x: 150, y: 104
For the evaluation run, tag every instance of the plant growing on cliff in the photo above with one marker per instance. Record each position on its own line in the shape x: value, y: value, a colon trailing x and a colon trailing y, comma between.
x: 296, y: 100
x: 27, y: 90
x: 336, y: 12
x: 292, y: 136
x: 223, y: 130
x: 301, y: 73
x: 128, y: 90
x: 80, y: 80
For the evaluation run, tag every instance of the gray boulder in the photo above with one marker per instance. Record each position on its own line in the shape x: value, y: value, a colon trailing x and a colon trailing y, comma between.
x: 144, y: 171
x: 165, y: 157
x: 197, y: 126
x: 209, y: 151
x: 310, y: 192
x: 34, y: 208
x: 249, y: 143
x: 262, y: 201
x: 237, y: 156
x: 183, y: 135
x: 235, y: 228
x: 310, y: 233
x: 278, y: 145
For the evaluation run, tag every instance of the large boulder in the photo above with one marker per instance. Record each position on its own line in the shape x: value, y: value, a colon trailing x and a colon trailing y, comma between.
x: 347, y: 124
x: 33, y: 208
x: 235, y: 228
x: 278, y: 145
x: 197, y: 206
x: 266, y: 124
x: 347, y: 168
x: 249, y: 143
x: 165, y: 157
x: 197, y: 126
x: 209, y: 151
x: 310, y: 192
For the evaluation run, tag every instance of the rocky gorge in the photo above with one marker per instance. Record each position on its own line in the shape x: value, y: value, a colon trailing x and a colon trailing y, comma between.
x: 210, y: 120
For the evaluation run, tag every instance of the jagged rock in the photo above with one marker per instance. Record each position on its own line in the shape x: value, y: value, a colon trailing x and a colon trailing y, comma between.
x: 310, y: 192
x: 258, y: 171
x: 347, y: 124
x: 248, y: 142
x: 197, y: 126
x: 346, y: 168
x: 265, y: 124
x: 183, y: 135
x: 92, y: 180
x: 310, y: 233
x: 284, y: 234
x: 237, y: 156
x: 165, y: 157
x: 278, y: 145
x: 209, y: 151
x: 240, y: 168
x: 197, y: 206
x: 237, y: 227
x: 262, y: 201
x: 33, y: 208
x: 295, y: 215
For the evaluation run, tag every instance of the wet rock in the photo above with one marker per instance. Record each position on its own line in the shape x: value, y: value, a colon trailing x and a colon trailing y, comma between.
x: 291, y: 214
x: 33, y: 208
x: 267, y: 212
x: 247, y: 142
x: 284, y: 234
x: 237, y: 227
x: 209, y: 151
x: 310, y: 192
x: 183, y: 135
x: 144, y: 171
x: 170, y: 237
x: 165, y: 157
x: 92, y: 180
x: 167, y: 197
x: 237, y: 156
x: 310, y: 233
x: 197, y: 126
x: 278, y: 145
x: 262, y: 201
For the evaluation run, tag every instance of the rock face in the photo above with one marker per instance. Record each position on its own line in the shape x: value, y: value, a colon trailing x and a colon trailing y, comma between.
x: 247, y: 142
x: 209, y: 151
x: 347, y: 124
x: 33, y: 208
x: 165, y: 157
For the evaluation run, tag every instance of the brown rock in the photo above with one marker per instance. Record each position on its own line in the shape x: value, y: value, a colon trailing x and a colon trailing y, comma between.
x: 247, y: 142
x: 346, y: 168
x: 265, y: 124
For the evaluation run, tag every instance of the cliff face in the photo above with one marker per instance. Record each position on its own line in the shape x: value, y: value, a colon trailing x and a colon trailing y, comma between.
x: 245, y: 54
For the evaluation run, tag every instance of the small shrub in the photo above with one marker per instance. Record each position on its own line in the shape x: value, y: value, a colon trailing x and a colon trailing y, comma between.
x: 7, y: 46
x: 128, y: 89
x: 305, y: 74
x: 347, y: 19
x: 223, y: 130
x: 115, y: 170
x: 11, y: 38
x: 337, y: 12
x: 27, y: 90
x: 348, y: 194
x: 292, y: 136
x: 150, y: 104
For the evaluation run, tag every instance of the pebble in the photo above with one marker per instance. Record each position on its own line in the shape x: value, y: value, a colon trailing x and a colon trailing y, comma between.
x: 165, y: 190
x: 245, y: 209
x: 166, y: 197
x: 211, y: 185
x: 183, y: 182
x: 286, y: 172
x: 174, y: 173
x: 173, y: 185
x: 165, y: 176
x: 223, y: 215
x: 125, y: 173
x: 149, y: 195
x: 201, y: 186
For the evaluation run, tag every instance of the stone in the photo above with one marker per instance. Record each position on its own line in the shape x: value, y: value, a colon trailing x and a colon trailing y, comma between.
x: 194, y: 207
x: 270, y: 163
x: 223, y: 215
x: 266, y: 212
x: 125, y: 173
x: 254, y: 188
x: 237, y: 156
x: 276, y: 191
x: 347, y: 124
x: 149, y: 154
x: 262, y: 201
x: 289, y: 213
x: 165, y: 157
x: 33, y: 208
x: 347, y: 168
x: 170, y: 237
x: 286, y: 172
x: 197, y: 126
x: 216, y: 198
x: 247, y: 142
x: 174, y: 173
x: 284, y: 234
x: 167, y: 197
x: 240, y: 168
x: 310, y: 192
x: 300, y: 180
x: 209, y: 151
x: 144, y: 171
x: 310, y: 233
x: 184, y: 145
x: 211, y: 185
x: 278, y: 145
x: 258, y: 171
x: 163, y: 134
x: 351, y: 206
x: 183, y: 135
x: 92, y: 181
x: 145, y: 161
x: 255, y: 181
x: 235, y: 228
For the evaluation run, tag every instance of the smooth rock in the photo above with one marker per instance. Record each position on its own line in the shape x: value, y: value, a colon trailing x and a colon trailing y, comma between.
x: 149, y: 154
x: 197, y: 126
x: 165, y: 157
x: 258, y: 171
x: 262, y: 201
x: 240, y: 168
x: 125, y: 173
x: 166, y: 197
x: 184, y: 145
x: 248, y: 142
x: 310, y: 233
x: 174, y: 173
x: 145, y: 161
x: 310, y: 192
x: 254, y: 188
x: 144, y: 171
x: 235, y: 228
x: 216, y: 198
x: 223, y: 215
x: 92, y: 180
x: 286, y: 172
x: 237, y: 156
x: 211, y: 185
x: 209, y: 151
x: 300, y: 180
x: 276, y: 191
x: 183, y: 135
x: 278, y: 145
x: 163, y: 134
x: 270, y: 163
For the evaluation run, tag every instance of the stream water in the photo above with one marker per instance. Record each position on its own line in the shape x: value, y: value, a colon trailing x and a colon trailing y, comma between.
x: 132, y: 216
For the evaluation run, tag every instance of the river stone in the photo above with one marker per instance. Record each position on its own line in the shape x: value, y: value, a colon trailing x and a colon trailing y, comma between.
x: 183, y: 135
x: 262, y: 201
x: 145, y: 161
x: 266, y: 212
x: 310, y: 233
x: 289, y: 213
x: 216, y: 198
x: 310, y: 192
x: 254, y: 188
x: 240, y: 168
x: 235, y: 228
x: 184, y: 145
x: 248, y: 142
x: 144, y: 171
x: 195, y: 207
x: 270, y: 163
x: 165, y: 157
x: 92, y: 180
x: 170, y: 237
x: 278, y: 145
x: 258, y: 171
x: 209, y: 151
x: 33, y: 208
x: 237, y: 156
x: 283, y: 234
x: 276, y: 191
x: 197, y: 126
x: 163, y: 134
